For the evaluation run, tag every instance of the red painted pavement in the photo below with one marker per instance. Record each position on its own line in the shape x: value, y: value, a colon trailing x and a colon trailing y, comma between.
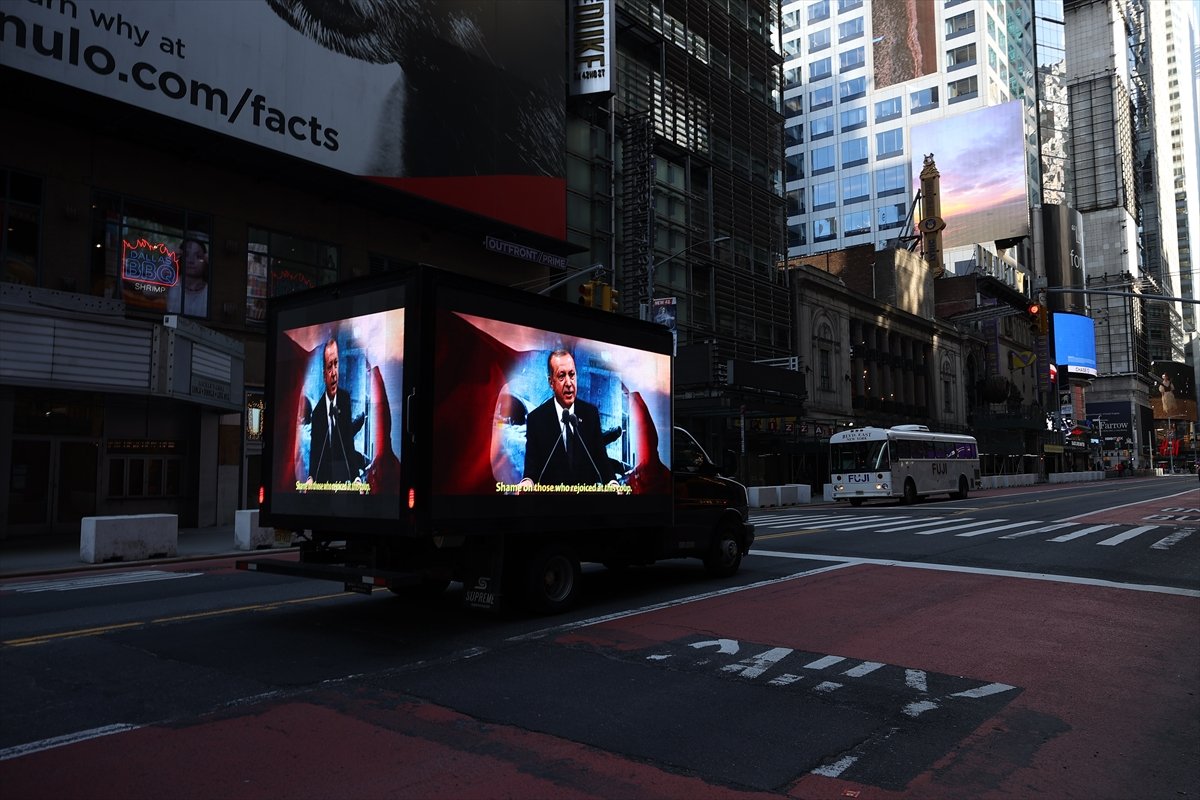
x: 1121, y: 668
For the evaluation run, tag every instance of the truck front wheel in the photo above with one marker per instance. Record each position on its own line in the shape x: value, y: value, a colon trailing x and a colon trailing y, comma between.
x: 552, y: 578
x: 725, y: 555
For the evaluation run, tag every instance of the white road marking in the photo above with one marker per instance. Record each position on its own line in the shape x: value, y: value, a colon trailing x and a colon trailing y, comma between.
x: 916, y: 679
x: 827, y: 686
x: 727, y: 647
x: 1076, y: 534
x: 1043, y: 529
x: 983, y: 691
x: 845, y: 522
x: 1000, y: 528
x: 1175, y: 538
x: 822, y: 663
x: 958, y: 527
x: 784, y: 680
x: 1127, y: 535
x: 756, y: 665
x: 61, y: 741
x: 836, y: 768
x: 919, y: 707
x: 871, y: 525
x: 937, y: 521
x: 864, y: 668
x: 97, y: 581
x: 850, y: 561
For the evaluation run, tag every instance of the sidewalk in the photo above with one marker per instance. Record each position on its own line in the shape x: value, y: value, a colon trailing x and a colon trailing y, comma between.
x: 39, y: 554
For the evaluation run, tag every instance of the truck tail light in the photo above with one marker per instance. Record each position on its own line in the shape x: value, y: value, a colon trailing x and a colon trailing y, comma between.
x: 412, y: 498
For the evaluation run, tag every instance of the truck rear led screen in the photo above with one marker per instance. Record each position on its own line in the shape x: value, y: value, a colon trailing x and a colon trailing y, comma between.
x: 501, y: 393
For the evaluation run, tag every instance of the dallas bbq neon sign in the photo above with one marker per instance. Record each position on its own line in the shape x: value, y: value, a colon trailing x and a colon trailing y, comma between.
x: 146, y: 262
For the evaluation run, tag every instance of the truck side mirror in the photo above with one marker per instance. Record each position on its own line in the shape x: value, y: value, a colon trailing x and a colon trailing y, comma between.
x: 729, y: 464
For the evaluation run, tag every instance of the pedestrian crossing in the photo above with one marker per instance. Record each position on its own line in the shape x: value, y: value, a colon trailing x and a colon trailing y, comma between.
x: 1155, y: 537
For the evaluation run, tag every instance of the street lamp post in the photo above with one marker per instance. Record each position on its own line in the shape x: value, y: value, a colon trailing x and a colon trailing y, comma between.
x: 653, y: 267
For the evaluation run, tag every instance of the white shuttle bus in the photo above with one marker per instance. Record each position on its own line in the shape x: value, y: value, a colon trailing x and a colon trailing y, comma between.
x: 906, y: 461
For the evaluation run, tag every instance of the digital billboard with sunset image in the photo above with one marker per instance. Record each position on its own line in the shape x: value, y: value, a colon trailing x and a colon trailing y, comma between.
x: 981, y: 158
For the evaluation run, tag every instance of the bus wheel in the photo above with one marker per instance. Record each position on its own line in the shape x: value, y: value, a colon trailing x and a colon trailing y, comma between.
x: 963, y: 491
x: 910, y: 492
x: 552, y: 579
x: 856, y: 501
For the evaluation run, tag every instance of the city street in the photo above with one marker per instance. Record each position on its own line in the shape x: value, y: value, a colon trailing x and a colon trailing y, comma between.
x: 1034, y: 642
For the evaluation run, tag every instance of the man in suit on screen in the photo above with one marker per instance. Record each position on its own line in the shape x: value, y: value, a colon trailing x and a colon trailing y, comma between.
x: 332, y: 456
x: 562, y: 435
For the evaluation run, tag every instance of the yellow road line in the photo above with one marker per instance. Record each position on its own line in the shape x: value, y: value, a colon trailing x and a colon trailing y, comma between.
x: 83, y: 632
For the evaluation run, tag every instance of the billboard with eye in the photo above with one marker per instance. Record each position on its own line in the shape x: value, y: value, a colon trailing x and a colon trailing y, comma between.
x: 458, y: 101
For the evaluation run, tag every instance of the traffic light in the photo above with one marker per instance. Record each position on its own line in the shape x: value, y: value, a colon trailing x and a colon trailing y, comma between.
x: 587, y: 294
x: 606, y: 296
x: 1040, y: 316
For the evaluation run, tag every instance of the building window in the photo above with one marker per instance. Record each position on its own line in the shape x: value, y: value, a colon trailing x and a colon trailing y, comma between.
x: 892, y: 216
x: 822, y: 159
x: 856, y: 187
x: 791, y: 48
x: 824, y: 195
x: 279, y: 264
x: 856, y: 222
x: 821, y: 68
x: 791, y: 78
x: 850, y: 29
x: 794, y: 134
x: 853, y: 119
x: 965, y: 89
x: 818, y: 11
x: 852, y: 89
x: 20, y: 227
x: 891, y: 180
x: 818, y: 40
x: 854, y: 152
x: 154, y: 258
x: 796, y: 237
x: 924, y: 99
x: 795, y: 202
x: 852, y: 59
x: 794, y: 167
x: 961, y: 24
x: 820, y: 98
x: 848, y: 5
x: 824, y: 369
x: 824, y: 229
x: 961, y: 57
x: 793, y: 105
x: 821, y: 127
x: 888, y: 109
x: 889, y: 143
x: 144, y: 476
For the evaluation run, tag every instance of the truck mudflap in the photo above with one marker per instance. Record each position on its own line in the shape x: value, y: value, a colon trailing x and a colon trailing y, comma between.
x: 355, y: 579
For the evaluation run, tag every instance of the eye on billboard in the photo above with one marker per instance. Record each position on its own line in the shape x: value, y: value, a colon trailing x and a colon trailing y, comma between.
x: 1075, y: 344
x: 981, y: 158
x: 457, y: 101
x: 1173, y: 395
x: 905, y: 45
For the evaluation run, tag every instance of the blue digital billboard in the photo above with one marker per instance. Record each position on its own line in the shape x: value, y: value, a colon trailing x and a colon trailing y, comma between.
x: 1075, y: 344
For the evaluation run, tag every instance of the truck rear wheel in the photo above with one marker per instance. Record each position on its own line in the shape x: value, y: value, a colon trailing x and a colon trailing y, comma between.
x: 552, y: 579
x: 725, y: 556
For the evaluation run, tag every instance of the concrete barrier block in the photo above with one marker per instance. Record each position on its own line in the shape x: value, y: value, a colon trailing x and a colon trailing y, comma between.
x: 827, y: 492
x: 128, y: 537
x: 763, y: 496
x: 803, y: 493
x: 788, y: 496
x: 248, y: 534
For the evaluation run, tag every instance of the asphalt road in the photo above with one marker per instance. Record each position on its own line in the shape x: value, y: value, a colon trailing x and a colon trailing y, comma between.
x: 1020, y: 643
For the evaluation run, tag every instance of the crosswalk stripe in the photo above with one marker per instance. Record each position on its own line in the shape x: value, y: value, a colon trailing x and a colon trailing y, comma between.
x: 1000, y: 528
x: 1043, y: 529
x: 844, y: 523
x: 97, y: 581
x: 1175, y: 538
x: 909, y: 527
x: 1127, y: 535
x: 860, y: 527
x: 1076, y: 534
x: 958, y: 527
x: 765, y: 518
